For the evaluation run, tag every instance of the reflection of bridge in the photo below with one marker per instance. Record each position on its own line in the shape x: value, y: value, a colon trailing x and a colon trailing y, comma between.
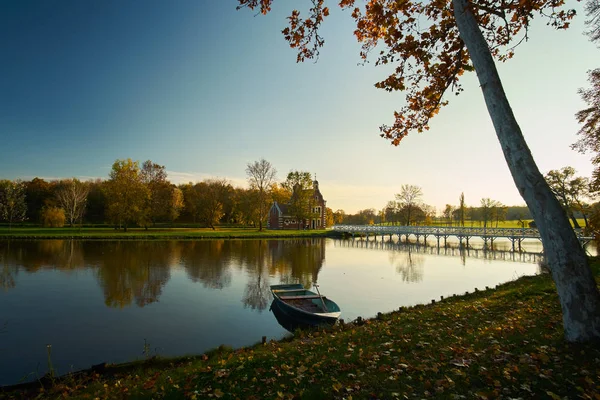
x: 450, y: 251
x: 515, y: 235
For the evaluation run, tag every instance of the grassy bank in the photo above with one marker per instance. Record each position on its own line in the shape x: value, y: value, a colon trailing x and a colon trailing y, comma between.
x: 501, y: 343
x: 153, y: 233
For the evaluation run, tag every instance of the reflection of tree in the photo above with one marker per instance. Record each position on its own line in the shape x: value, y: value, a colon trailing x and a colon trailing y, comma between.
x: 7, y: 276
x: 255, y: 256
x: 208, y: 262
x: 297, y: 260
x: 7, y: 271
x: 132, y: 270
x: 137, y: 271
x: 257, y: 292
x: 408, y: 263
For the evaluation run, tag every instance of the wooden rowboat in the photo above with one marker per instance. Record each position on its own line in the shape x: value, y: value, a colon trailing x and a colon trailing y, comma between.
x: 303, y: 305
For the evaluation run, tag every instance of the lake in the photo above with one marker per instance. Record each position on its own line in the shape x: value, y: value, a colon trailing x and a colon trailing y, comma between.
x: 117, y: 301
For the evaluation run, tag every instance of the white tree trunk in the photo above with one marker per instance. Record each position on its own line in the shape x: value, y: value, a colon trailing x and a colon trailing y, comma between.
x: 579, y: 296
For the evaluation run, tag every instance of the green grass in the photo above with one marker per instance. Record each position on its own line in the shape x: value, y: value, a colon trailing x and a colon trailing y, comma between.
x: 152, y: 233
x: 499, y: 343
x: 502, y: 224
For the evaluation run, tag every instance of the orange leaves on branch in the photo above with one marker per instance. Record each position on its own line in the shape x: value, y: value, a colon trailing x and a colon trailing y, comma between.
x: 421, y: 39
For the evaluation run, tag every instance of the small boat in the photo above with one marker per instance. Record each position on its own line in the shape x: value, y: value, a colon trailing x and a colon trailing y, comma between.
x: 305, y: 306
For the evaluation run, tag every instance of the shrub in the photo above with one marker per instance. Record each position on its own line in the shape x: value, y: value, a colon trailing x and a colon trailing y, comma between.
x: 53, y: 217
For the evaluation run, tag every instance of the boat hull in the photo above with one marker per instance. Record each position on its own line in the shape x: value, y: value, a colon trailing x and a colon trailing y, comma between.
x: 304, y: 306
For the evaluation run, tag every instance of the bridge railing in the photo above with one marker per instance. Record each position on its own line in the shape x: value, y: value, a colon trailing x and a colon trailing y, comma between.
x: 444, y: 231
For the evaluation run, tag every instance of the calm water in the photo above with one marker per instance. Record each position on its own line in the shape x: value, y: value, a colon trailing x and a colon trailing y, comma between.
x: 100, y: 301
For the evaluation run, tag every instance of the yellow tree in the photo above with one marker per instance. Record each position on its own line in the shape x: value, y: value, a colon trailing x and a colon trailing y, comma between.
x: 126, y: 193
x: 430, y: 44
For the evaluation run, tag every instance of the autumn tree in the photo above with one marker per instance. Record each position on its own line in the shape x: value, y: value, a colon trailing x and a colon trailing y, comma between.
x: 329, y: 217
x: 261, y: 175
x: 53, y: 217
x: 280, y: 194
x: 391, y: 212
x: 589, y: 118
x: 126, y: 193
x: 429, y: 45
x: 71, y: 196
x: 408, y: 200
x: 569, y: 190
x: 176, y: 204
x: 13, y: 207
x: 38, y: 194
x: 300, y: 184
x: 487, y: 206
x: 209, y: 197
x: 338, y: 216
x: 499, y: 212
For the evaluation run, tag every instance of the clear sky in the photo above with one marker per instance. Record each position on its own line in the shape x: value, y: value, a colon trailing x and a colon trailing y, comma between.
x: 204, y: 90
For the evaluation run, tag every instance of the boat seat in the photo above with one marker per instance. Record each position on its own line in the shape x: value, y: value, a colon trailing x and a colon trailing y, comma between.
x: 289, y: 290
x: 300, y: 297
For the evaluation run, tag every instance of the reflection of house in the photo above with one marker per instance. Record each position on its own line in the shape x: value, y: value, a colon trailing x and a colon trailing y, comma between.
x: 281, y: 218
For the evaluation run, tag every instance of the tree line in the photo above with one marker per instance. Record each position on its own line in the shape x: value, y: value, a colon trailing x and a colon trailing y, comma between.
x: 575, y: 194
x: 141, y: 195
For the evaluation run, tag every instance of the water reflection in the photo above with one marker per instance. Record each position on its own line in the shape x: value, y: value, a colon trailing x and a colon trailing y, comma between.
x: 137, y: 271
x: 409, y: 264
x: 293, y: 324
x: 130, y: 271
x: 97, y: 301
x: 451, y: 250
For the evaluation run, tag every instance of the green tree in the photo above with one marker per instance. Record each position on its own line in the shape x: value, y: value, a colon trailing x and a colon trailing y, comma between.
x: 126, y: 193
x: 462, y: 211
x: 499, y: 212
x: 13, y: 207
x: 301, y: 185
x: 448, y: 213
x: 261, y: 175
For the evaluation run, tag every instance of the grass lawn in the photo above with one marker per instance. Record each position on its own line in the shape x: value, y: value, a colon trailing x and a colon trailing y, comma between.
x: 152, y: 233
x: 499, y: 343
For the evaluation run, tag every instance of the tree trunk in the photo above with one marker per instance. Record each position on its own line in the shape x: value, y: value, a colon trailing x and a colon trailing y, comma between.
x: 575, y: 223
x: 578, y: 294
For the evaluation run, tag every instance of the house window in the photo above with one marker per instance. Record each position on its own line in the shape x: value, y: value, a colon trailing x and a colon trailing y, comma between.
x: 318, y: 222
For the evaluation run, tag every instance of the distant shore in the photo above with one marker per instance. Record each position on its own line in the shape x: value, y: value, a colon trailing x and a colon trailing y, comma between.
x: 176, y: 233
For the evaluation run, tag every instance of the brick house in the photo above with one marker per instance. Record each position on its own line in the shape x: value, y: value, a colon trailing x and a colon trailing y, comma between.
x: 280, y: 217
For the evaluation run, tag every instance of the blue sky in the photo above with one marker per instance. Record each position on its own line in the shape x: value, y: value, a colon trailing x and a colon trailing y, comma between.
x: 204, y: 90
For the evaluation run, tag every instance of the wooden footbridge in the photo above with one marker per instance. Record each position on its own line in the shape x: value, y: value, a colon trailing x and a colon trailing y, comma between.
x: 515, y: 235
